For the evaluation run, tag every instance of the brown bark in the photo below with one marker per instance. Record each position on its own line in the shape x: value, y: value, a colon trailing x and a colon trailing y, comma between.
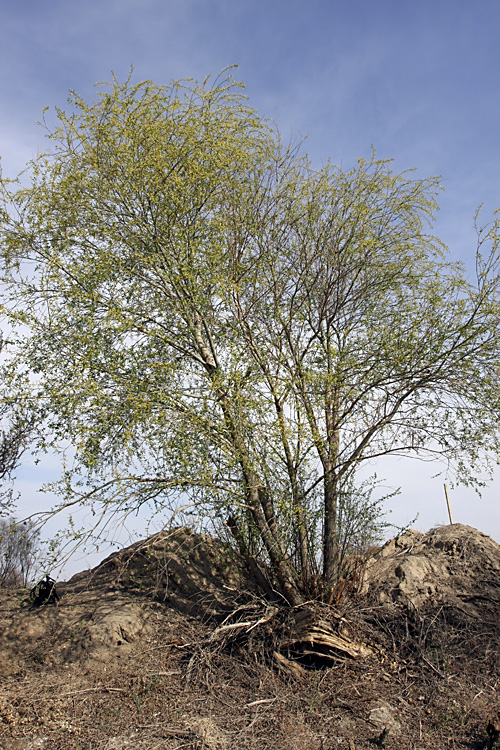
x: 331, y: 491
x: 303, y: 544
x: 257, y: 498
x: 277, y: 555
x: 330, y: 540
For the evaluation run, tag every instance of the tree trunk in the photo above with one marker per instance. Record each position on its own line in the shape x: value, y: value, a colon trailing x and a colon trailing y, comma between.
x: 277, y: 555
x: 330, y: 531
x: 257, y: 497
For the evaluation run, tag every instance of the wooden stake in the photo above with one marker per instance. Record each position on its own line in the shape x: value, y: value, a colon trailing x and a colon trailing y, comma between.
x: 448, y: 503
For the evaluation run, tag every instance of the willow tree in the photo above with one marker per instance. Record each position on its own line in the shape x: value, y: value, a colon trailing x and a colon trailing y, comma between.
x: 207, y: 316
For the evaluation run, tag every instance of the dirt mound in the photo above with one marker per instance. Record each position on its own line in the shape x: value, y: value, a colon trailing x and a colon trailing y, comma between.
x: 193, y: 573
x: 453, y: 566
x: 101, y: 628
x: 104, y: 611
x: 142, y: 652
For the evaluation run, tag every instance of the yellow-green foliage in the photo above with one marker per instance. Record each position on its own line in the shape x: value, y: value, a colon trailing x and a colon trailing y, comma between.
x: 208, y: 315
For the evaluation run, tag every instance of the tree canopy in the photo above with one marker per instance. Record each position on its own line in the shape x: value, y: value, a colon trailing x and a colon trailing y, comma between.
x: 204, y: 314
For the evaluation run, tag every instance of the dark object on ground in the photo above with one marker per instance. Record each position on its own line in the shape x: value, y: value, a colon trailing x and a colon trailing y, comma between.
x: 381, y: 739
x: 44, y: 592
x: 493, y: 732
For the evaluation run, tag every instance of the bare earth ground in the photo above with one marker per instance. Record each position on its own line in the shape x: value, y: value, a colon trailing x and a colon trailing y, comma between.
x: 151, y: 651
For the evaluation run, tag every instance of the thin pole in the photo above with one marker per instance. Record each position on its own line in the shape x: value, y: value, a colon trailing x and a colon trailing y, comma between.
x: 448, y: 503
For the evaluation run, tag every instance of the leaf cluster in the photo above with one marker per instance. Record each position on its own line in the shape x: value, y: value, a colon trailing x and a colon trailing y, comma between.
x: 210, y: 316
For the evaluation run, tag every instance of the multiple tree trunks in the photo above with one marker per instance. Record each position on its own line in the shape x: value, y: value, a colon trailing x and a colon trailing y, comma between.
x: 208, y: 316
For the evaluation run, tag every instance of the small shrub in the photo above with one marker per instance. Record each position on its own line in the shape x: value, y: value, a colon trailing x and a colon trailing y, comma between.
x: 19, y: 552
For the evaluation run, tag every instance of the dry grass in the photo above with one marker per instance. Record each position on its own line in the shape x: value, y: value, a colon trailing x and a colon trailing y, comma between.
x: 112, y: 668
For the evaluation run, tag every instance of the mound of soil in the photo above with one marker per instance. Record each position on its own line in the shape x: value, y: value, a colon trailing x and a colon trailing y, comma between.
x: 190, y: 572
x: 456, y: 567
x: 98, y: 628
x: 167, y: 645
x: 103, y: 611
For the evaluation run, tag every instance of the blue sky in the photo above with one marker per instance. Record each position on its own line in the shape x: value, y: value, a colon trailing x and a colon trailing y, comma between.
x: 418, y: 81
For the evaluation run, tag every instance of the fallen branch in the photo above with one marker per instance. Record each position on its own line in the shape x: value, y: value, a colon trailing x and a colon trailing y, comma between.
x: 248, y: 624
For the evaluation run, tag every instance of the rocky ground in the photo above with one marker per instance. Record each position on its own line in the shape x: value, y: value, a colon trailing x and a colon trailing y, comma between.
x: 166, y: 645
